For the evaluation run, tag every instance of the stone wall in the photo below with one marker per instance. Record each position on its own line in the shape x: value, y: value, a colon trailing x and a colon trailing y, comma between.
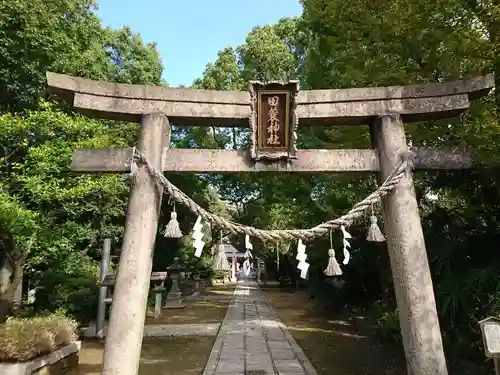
x: 58, y: 362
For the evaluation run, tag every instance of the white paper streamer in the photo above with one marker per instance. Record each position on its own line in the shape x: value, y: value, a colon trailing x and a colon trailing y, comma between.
x: 197, y: 235
x: 346, y: 236
x: 248, y: 244
x: 301, y: 256
x: 246, y: 267
x: 198, y: 226
x: 303, y: 271
x: 248, y: 255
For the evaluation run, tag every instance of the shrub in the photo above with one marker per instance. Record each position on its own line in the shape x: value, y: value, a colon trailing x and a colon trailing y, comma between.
x: 76, y: 294
x: 388, y: 326
x: 22, y: 339
x: 385, y: 321
x: 219, y: 275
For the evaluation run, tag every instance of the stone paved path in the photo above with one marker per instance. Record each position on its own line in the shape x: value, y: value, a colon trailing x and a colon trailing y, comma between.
x: 253, y: 341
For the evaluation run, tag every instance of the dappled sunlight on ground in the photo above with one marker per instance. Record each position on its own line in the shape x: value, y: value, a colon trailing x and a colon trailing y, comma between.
x: 198, y: 311
x: 159, y: 356
x: 186, y: 355
x: 194, y: 312
x: 221, y: 292
x: 332, y: 342
x: 221, y: 289
x: 334, y: 332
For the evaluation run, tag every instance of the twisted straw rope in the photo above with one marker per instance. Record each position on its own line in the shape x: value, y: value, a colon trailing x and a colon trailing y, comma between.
x: 275, y: 235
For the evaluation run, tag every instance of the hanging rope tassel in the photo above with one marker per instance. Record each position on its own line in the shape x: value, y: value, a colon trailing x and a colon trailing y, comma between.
x: 374, y: 233
x: 333, y: 267
x: 172, y: 230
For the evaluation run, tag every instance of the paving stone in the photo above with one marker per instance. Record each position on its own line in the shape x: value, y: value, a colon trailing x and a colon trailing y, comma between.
x: 250, y: 348
x: 230, y: 366
x: 288, y: 365
x: 282, y: 354
x: 279, y: 345
x: 250, y: 340
x: 240, y: 345
x: 260, y: 370
x: 231, y: 349
x: 256, y: 351
x: 232, y: 353
x: 259, y: 363
x: 276, y: 337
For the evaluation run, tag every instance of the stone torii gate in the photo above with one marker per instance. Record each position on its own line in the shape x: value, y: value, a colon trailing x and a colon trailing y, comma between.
x: 274, y: 112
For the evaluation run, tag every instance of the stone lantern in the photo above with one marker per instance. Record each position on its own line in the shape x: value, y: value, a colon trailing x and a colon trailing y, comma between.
x: 174, y: 296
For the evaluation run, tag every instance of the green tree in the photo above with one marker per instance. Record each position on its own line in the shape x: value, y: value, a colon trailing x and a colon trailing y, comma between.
x: 65, y: 37
x: 386, y: 43
x: 18, y: 234
x: 74, y: 212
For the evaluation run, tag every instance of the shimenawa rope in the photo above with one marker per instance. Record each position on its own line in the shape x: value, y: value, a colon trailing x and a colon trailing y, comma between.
x: 275, y: 235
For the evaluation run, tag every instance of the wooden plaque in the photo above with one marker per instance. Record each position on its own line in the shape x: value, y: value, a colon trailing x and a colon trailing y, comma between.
x: 273, y: 120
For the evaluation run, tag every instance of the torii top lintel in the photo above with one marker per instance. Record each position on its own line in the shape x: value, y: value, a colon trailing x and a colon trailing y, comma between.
x: 127, y: 102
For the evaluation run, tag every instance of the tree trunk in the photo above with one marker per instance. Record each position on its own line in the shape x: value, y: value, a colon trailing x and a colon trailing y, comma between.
x: 494, y: 30
x: 7, y: 298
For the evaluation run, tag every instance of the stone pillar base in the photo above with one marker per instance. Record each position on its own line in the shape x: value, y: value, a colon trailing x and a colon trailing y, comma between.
x: 174, y: 301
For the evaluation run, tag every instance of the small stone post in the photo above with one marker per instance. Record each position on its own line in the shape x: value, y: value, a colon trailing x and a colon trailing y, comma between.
x: 126, y: 327
x: 196, y: 278
x: 158, y: 296
x: 259, y: 270
x: 410, y: 267
x: 158, y: 279
x: 234, y: 265
x: 103, y: 290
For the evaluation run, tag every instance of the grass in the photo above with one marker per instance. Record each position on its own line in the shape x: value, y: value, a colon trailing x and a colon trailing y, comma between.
x: 159, y: 356
x: 22, y: 339
x: 335, y: 344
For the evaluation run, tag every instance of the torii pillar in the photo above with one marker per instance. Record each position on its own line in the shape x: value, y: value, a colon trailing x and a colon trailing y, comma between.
x: 411, y: 274
x: 122, y: 351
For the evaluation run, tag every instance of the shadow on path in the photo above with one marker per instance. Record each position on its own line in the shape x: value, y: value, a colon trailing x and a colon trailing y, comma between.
x: 334, y: 343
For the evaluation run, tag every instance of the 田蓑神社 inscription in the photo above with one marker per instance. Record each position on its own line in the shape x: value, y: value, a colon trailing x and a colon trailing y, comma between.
x: 273, y: 120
